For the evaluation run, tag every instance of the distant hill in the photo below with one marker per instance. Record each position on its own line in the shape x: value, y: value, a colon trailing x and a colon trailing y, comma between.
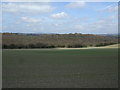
x: 17, y: 40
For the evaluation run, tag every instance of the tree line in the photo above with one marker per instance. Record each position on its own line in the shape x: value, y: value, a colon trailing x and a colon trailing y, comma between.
x: 19, y: 41
x: 40, y: 45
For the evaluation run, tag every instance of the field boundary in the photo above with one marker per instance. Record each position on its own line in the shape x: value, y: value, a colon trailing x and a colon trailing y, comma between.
x: 102, y: 47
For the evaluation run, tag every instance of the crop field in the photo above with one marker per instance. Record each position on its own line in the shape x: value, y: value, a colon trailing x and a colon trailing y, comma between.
x: 52, y: 68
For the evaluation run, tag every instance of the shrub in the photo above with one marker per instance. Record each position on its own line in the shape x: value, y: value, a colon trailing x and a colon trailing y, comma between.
x: 4, y: 46
x: 51, y: 46
x: 31, y: 46
x: 104, y: 44
x: 61, y: 46
x: 76, y: 46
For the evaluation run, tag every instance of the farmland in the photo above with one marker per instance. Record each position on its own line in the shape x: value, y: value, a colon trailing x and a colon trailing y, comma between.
x: 53, y: 68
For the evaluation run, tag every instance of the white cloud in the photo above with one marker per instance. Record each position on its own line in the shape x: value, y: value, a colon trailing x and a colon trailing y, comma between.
x: 59, y: 15
x: 30, y: 20
x: 76, y: 4
x: 79, y: 27
x: 101, y: 26
x: 26, y: 8
x: 60, y: 0
x: 110, y: 8
x: 27, y: 0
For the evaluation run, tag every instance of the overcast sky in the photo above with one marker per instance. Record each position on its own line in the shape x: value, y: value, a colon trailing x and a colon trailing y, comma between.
x: 60, y: 17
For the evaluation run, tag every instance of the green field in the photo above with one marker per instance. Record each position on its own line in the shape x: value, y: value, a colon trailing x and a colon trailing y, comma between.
x: 85, y: 68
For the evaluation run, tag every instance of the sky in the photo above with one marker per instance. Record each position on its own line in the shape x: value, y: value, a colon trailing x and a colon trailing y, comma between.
x: 60, y: 17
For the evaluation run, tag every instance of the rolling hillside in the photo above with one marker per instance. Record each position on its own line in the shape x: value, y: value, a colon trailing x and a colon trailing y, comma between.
x: 55, y: 40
